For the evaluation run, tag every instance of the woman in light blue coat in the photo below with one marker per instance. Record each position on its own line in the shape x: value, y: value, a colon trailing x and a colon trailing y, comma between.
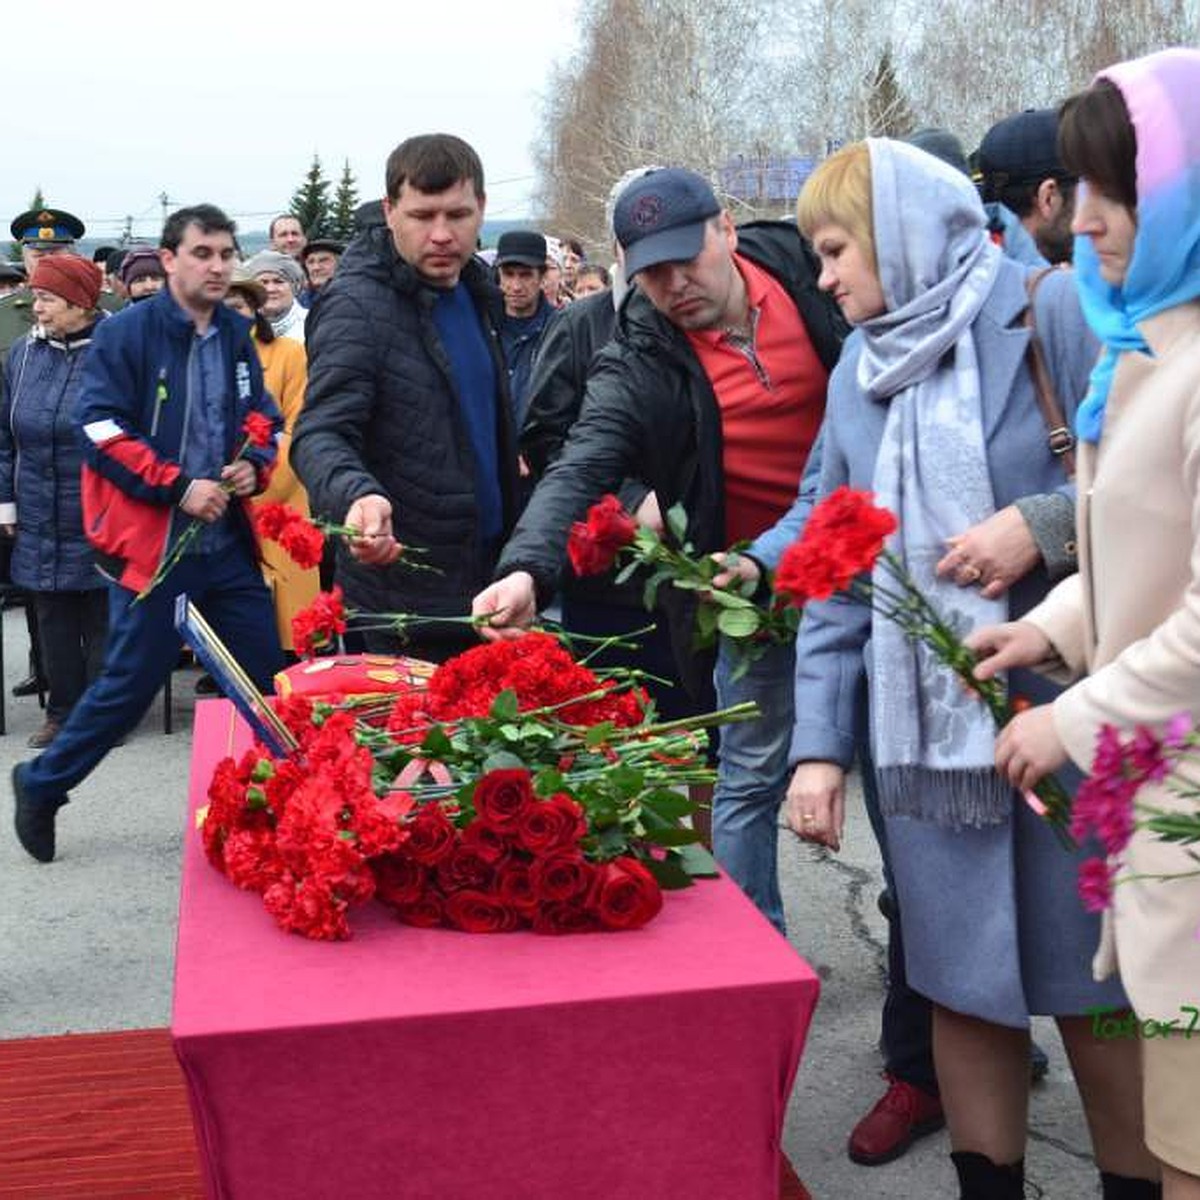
x: 933, y: 408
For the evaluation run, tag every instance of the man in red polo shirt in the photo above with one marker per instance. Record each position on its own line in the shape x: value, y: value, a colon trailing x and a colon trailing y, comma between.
x: 712, y: 391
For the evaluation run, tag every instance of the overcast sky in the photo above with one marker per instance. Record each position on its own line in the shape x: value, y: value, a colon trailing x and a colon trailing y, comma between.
x: 227, y: 102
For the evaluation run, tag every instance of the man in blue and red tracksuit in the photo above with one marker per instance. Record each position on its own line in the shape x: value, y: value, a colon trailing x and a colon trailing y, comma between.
x: 166, y: 391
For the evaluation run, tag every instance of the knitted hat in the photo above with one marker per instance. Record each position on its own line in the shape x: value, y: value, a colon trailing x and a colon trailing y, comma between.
x: 141, y: 264
x: 73, y: 278
x: 276, y: 263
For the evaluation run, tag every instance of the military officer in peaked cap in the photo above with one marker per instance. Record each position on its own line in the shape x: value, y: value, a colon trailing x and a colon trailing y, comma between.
x: 39, y: 232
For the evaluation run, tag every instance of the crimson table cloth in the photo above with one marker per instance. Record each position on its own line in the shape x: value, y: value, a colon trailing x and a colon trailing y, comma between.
x: 427, y: 1064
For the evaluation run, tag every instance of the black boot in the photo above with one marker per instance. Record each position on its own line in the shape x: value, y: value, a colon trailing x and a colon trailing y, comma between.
x: 981, y: 1179
x: 1123, y: 1187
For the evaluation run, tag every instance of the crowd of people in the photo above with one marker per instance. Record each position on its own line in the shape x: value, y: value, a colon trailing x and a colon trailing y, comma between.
x: 914, y: 332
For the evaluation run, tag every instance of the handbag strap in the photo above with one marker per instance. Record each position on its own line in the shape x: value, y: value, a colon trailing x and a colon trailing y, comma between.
x: 1058, y: 433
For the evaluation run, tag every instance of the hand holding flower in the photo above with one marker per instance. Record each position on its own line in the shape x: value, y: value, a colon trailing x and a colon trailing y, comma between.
x: 1028, y: 748
x: 375, y: 545
x: 1002, y: 647
x: 240, y: 477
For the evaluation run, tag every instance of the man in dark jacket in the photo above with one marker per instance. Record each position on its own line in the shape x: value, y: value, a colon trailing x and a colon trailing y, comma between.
x: 167, y: 388
x: 521, y: 265
x: 406, y: 433
x: 711, y: 392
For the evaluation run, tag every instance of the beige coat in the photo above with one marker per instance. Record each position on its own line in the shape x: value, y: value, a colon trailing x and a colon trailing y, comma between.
x: 1129, y: 625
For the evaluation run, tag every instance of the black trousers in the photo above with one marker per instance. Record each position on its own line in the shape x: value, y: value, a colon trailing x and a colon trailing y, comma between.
x: 72, y: 631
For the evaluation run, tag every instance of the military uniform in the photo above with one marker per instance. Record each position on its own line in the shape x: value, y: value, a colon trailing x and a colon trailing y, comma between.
x: 51, y: 229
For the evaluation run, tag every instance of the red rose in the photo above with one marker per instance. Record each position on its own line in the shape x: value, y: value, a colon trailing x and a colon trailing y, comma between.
x: 502, y: 796
x: 559, y: 916
x: 431, y: 836
x: 464, y: 867
x: 561, y: 876
x: 554, y: 824
x: 592, y: 545
x: 625, y: 895
x: 514, y: 886
x: 425, y: 913
x: 259, y: 430
x: 477, y: 912
x: 399, y: 881
x: 489, y: 843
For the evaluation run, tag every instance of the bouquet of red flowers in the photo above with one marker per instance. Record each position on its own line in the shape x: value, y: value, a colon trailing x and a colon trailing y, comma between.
x: 518, y: 790
x: 842, y: 541
x: 609, y: 534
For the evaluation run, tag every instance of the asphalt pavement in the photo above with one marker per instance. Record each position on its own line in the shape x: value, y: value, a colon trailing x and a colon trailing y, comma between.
x: 87, y: 944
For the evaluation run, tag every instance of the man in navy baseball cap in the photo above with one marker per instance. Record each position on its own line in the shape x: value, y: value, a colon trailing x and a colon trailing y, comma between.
x: 662, y: 217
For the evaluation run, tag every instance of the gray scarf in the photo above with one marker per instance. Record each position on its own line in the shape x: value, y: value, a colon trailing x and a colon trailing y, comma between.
x: 933, y: 742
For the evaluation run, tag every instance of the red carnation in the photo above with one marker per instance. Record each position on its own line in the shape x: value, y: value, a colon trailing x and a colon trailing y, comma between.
x: 303, y: 542
x: 841, y: 540
x: 317, y: 626
x: 259, y: 429
x: 271, y: 518
x: 625, y: 895
x: 593, y: 545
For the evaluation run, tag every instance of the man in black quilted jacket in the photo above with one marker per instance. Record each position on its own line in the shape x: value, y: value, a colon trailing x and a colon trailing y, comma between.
x: 406, y: 432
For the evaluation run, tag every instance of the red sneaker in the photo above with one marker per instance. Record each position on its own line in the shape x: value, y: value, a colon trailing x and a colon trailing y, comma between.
x: 903, y: 1114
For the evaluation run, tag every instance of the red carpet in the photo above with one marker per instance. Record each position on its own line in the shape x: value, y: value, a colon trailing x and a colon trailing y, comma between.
x: 104, y: 1116
x: 99, y: 1116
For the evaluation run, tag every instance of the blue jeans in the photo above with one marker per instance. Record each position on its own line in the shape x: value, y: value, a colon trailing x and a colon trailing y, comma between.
x: 143, y: 647
x: 752, y: 775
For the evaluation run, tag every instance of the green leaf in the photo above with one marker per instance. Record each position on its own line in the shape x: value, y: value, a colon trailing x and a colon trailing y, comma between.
x: 677, y: 521
x: 436, y: 744
x: 676, y: 835
x: 501, y: 760
x: 698, y: 862
x: 505, y: 707
x: 738, y: 622
x: 510, y: 733
x: 597, y: 735
x: 668, y: 805
x: 548, y: 781
x: 706, y: 620
x: 627, y: 570
x: 669, y: 872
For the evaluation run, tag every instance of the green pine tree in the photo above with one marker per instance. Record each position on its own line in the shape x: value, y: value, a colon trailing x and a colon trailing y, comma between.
x: 310, y: 202
x: 888, y: 111
x: 345, y: 201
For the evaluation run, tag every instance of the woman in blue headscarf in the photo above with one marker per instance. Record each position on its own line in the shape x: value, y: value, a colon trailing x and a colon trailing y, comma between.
x: 1128, y: 626
x: 933, y: 408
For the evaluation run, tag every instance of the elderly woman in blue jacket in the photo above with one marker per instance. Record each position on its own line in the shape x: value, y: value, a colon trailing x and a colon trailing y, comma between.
x: 932, y: 406
x: 41, y: 453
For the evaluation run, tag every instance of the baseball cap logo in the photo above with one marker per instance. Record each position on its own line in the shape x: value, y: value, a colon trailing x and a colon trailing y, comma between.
x: 647, y: 211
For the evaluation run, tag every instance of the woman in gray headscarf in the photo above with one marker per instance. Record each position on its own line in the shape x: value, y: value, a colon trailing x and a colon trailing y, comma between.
x: 933, y: 407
